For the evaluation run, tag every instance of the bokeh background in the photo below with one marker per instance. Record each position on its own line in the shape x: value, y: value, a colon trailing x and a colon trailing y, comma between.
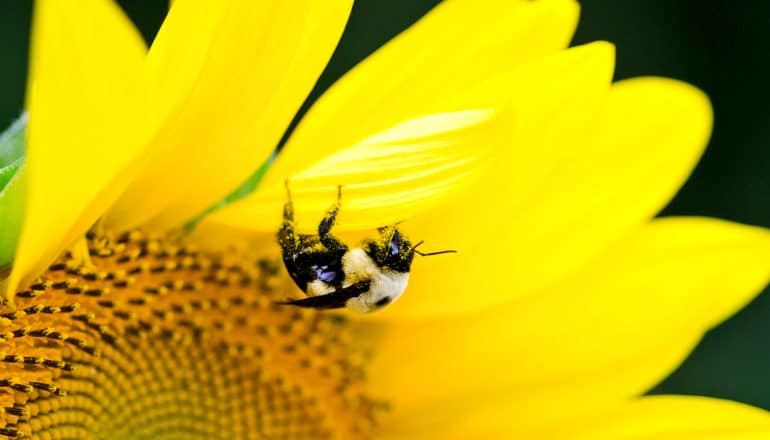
x: 720, y: 46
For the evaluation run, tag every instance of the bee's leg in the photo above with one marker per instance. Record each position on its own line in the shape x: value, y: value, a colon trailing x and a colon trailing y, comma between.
x: 287, y: 237
x: 325, y: 227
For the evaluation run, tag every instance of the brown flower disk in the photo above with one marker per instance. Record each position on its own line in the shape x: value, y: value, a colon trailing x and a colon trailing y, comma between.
x: 154, y: 340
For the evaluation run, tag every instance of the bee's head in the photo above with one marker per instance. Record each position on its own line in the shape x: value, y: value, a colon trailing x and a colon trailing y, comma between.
x: 393, y: 250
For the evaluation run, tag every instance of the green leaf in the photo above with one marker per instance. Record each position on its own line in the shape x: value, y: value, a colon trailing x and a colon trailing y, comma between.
x: 12, y: 190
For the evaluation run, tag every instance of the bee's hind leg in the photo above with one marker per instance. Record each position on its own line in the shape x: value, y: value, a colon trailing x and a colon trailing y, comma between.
x: 325, y: 227
x: 287, y: 236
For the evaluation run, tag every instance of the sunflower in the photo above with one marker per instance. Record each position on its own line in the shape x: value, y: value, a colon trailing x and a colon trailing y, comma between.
x: 476, y: 128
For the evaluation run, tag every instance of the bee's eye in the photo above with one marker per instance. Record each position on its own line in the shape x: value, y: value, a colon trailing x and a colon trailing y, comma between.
x: 395, y: 244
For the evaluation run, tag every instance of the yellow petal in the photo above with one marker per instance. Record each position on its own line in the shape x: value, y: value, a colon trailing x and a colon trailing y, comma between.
x: 226, y: 78
x: 515, y: 411
x: 82, y: 133
x: 409, y: 167
x: 456, y: 46
x: 606, y: 333
x: 424, y: 161
x: 562, y: 196
x: 676, y: 418
x: 648, y: 418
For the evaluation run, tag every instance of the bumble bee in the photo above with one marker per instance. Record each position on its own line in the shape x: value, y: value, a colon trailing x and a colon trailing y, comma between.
x: 363, y: 279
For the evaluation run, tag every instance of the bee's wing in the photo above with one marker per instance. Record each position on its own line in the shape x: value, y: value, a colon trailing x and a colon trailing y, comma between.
x: 333, y: 300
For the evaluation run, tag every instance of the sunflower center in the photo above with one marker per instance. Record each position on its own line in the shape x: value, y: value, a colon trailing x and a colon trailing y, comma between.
x: 156, y: 340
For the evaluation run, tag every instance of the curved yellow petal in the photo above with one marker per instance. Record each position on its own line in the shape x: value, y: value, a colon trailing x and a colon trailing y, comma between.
x: 676, y: 418
x: 627, y: 319
x: 414, y: 165
x: 83, y: 133
x: 515, y: 411
x: 226, y: 78
x: 456, y: 46
x: 647, y: 418
x: 564, y: 194
x: 434, y: 158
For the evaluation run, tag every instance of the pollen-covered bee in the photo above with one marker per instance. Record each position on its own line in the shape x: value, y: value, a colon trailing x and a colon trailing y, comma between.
x: 363, y: 279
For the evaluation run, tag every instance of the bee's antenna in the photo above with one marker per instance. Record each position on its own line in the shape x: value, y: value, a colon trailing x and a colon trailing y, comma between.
x: 448, y: 251
x: 428, y: 254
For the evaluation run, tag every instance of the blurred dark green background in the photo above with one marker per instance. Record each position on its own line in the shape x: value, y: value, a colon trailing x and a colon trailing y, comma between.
x: 720, y: 46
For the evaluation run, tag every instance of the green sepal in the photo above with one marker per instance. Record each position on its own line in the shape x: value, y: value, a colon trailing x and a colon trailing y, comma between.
x: 7, y: 172
x: 12, y: 190
x: 246, y: 188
